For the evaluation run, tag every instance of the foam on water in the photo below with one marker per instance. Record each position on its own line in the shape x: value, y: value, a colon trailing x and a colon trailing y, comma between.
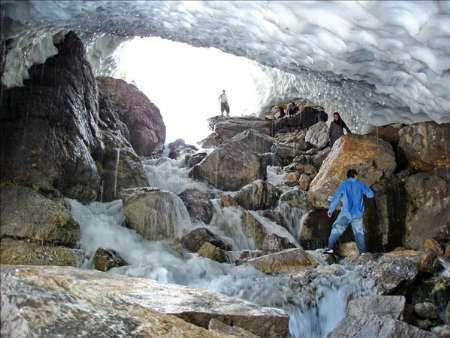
x: 170, y: 175
x: 312, y: 314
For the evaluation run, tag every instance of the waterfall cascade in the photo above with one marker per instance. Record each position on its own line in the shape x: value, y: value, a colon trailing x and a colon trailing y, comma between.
x: 312, y: 314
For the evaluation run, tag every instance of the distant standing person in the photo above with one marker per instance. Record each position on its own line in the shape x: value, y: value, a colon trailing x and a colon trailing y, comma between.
x: 352, y: 193
x: 224, y: 103
x: 337, y: 127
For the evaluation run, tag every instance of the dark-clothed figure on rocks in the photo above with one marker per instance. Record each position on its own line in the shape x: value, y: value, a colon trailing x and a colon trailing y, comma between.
x: 337, y: 127
x: 352, y: 193
x: 292, y: 109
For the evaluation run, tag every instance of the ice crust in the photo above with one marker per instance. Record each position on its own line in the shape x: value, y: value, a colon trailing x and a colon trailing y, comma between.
x: 380, y: 61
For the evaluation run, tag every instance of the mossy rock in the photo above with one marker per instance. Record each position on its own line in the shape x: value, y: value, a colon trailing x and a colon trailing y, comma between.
x: 105, y: 259
x: 18, y: 252
x: 27, y: 214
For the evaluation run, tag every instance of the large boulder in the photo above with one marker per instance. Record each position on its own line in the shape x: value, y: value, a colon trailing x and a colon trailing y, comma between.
x: 154, y: 214
x: 392, y: 306
x: 261, y: 233
x: 179, y: 148
x: 198, y: 205
x: 48, y: 127
x: 257, y: 195
x: 194, y: 240
x: 376, y: 326
x: 290, y: 260
x: 425, y: 145
x: 235, y: 163
x: 26, y: 214
x: 428, y: 209
x: 75, y: 300
x: 119, y: 165
x: 317, y: 135
x: 371, y: 157
x: 142, y: 117
x: 227, y: 128
x: 22, y: 252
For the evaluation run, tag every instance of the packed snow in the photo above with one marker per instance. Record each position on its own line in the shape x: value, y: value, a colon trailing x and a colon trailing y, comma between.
x: 377, y: 61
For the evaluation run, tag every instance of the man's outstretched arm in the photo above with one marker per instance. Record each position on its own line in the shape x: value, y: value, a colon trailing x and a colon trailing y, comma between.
x: 367, y: 191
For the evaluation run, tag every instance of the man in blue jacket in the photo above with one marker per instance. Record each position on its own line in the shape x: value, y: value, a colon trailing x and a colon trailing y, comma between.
x: 352, y: 193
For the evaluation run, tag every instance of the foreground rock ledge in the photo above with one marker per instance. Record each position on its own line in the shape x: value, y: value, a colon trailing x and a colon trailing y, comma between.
x: 66, y: 301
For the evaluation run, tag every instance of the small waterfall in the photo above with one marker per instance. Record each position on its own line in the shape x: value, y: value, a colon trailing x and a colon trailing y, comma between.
x: 116, y: 170
x: 324, y: 304
x: 292, y: 218
x: 228, y: 221
x: 170, y: 175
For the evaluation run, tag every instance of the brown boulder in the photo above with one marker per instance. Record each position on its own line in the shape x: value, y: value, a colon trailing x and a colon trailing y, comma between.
x: 197, y: 237
x: 227, y: 128
x: 425, y: 145
x: 257, y: 195
x: 105, y: 259
x: 371, y: 157
x: 142, y: 117
x: 428, y: 209
x: 212, y: 252
x: 235, y: 163
x: 290, y: 260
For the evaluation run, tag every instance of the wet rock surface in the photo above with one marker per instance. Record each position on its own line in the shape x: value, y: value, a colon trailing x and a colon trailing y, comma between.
x: 198, y: 205
x: 155, y: 215
x: 257, y: 195
x: 26, y: 214
x: 105, y: 259
x: 193, y: 240
x: 49, y: 132
x: 23, y: 252
x: 141, y: 116
x: 291, y: 260
x: 119, y: 165
x: 79, y: 298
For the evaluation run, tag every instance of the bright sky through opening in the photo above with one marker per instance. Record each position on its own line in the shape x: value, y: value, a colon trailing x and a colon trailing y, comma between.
x: 185, y: 83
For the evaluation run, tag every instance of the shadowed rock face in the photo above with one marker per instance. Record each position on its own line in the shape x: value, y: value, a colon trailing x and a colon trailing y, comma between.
x: 426, y: 145
x: 142, y: 117
x: 76, y: 300
x: 49, y: 132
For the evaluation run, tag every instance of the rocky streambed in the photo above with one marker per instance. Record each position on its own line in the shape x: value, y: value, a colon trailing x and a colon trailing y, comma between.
x: 220, y: 241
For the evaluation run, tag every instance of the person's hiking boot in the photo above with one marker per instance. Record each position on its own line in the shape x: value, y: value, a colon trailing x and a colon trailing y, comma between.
x: 329, y: 251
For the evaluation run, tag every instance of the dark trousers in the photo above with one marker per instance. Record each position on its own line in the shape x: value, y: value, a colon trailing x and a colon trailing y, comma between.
x: 224, y: 107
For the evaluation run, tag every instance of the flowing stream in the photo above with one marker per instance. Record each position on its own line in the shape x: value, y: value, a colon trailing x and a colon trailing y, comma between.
x: 314, y: 310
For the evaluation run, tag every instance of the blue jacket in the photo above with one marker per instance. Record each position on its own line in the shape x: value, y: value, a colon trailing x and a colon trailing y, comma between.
x: 352, y: 193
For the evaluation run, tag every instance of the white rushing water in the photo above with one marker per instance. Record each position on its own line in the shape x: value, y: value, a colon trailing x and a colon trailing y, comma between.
x: 312, y: 313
